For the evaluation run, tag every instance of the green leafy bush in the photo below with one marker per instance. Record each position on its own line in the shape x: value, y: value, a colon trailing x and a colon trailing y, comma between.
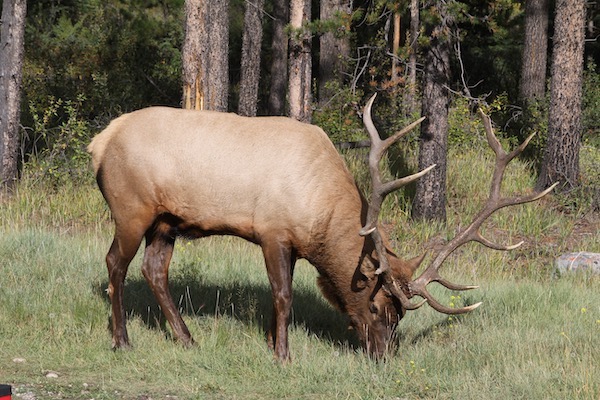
x: 60, y: 135
x: 338, y: 118
x: 463, y: 125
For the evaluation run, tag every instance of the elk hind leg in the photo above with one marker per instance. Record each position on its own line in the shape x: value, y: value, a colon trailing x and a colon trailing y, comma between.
x: 155, y: 268
x: 125, y: 244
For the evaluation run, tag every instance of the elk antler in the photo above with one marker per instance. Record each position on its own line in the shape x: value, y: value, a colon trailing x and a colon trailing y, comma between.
x: 471, y: 233
x: 379, y: 191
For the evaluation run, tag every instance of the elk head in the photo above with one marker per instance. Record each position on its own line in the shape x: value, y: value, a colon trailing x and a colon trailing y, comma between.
x: 395, y: 275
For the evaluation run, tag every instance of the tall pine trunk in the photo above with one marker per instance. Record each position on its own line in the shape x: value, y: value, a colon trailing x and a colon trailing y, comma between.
x: 412, y: 58
x: 217, y: 82
x: 535, y: 51
x: 430, y: 197
x: 396, y: 69
x: 194, y: 46
x: 334, y: 46
x: 251, y: 46
x: 279, y: 55
x: 205, y: 55
x: 300, y: 62
x: 561, y: 153
x: 11, y: 65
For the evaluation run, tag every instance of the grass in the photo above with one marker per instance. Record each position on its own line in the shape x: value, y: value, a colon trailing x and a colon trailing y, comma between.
x: 535, y: 337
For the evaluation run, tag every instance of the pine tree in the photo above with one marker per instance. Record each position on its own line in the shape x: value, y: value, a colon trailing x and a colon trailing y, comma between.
x: 11, y: 64
x: 193, y: 54
x: 251, y: 44
x: 279, y: 56
x: 300, y: 61
x: 334, y: 45
x: 561, y: 153
x: 533, y: 70
x: 217, y: 69
x: 430, y: 197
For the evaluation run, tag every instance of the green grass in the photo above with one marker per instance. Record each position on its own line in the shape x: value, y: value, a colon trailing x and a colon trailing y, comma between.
x: 535, y: 336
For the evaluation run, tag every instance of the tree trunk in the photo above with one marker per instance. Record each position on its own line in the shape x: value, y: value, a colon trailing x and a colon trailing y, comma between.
x: 334, y: 47
x: 300, y: 62
x: 217, y: 69
x: 412, y: 58
x: 279, y: 65
x: 561, y: 153
x: 535, y: 50
x: 11, y: 72
x: 395, y: 74
x: 251, y: 44
x: 430, y: 197
x: 193, y: 55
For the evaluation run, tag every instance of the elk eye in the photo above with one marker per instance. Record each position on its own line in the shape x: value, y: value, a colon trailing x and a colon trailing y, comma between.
x: 374, y: 309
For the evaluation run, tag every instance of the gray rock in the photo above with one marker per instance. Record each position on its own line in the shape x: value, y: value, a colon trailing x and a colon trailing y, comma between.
x: 578, y: 262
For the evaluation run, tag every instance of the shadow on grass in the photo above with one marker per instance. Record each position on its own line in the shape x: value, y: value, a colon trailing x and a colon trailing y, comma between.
x: 251, y: 304
x: 246, y: 302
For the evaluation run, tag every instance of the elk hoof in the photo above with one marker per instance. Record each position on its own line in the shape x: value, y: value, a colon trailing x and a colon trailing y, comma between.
x: 188, y: 343
x: 121, y: 344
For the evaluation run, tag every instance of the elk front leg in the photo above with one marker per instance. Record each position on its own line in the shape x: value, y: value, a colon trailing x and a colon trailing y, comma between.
x: 155, y: 267
x: 280, y: 260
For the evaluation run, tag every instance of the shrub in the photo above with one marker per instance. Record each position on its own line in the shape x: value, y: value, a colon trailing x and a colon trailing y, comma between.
x: 338, y: 118
x: 57, y: 145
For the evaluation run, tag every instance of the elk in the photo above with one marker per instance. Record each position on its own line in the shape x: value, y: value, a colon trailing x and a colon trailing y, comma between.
x: 282, y: 185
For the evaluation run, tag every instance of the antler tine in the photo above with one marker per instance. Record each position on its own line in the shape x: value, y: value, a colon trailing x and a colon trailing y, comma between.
x: 488, y: 243
x: 376, y: 141
x: 472, y: 233
x: 436, y: 305
x: 378, y: 148
x: 445, y: 309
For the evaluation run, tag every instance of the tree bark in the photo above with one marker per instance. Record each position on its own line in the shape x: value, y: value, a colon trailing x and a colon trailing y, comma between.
x: 11, y: 74
x: 193, y: 54
x: 334, y: 46
x: 412, y: 58
x: 561, y: 153
x: 217, y: 82
x: 279, y: 54
x: 251, y: 46
x: 535, y: 51
x: 395, y: 74
x: 430, y: 197
x: 300, y: 62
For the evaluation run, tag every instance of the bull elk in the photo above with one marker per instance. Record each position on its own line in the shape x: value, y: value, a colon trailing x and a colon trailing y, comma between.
x: 280, y: 184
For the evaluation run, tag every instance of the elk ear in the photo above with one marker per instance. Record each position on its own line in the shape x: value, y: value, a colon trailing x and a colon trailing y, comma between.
x: 406, y: 269
x: 413, y: 263
x: 368, y: 269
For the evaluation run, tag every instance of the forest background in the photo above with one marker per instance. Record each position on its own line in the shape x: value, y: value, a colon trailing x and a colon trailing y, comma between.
x: 88, y: 61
